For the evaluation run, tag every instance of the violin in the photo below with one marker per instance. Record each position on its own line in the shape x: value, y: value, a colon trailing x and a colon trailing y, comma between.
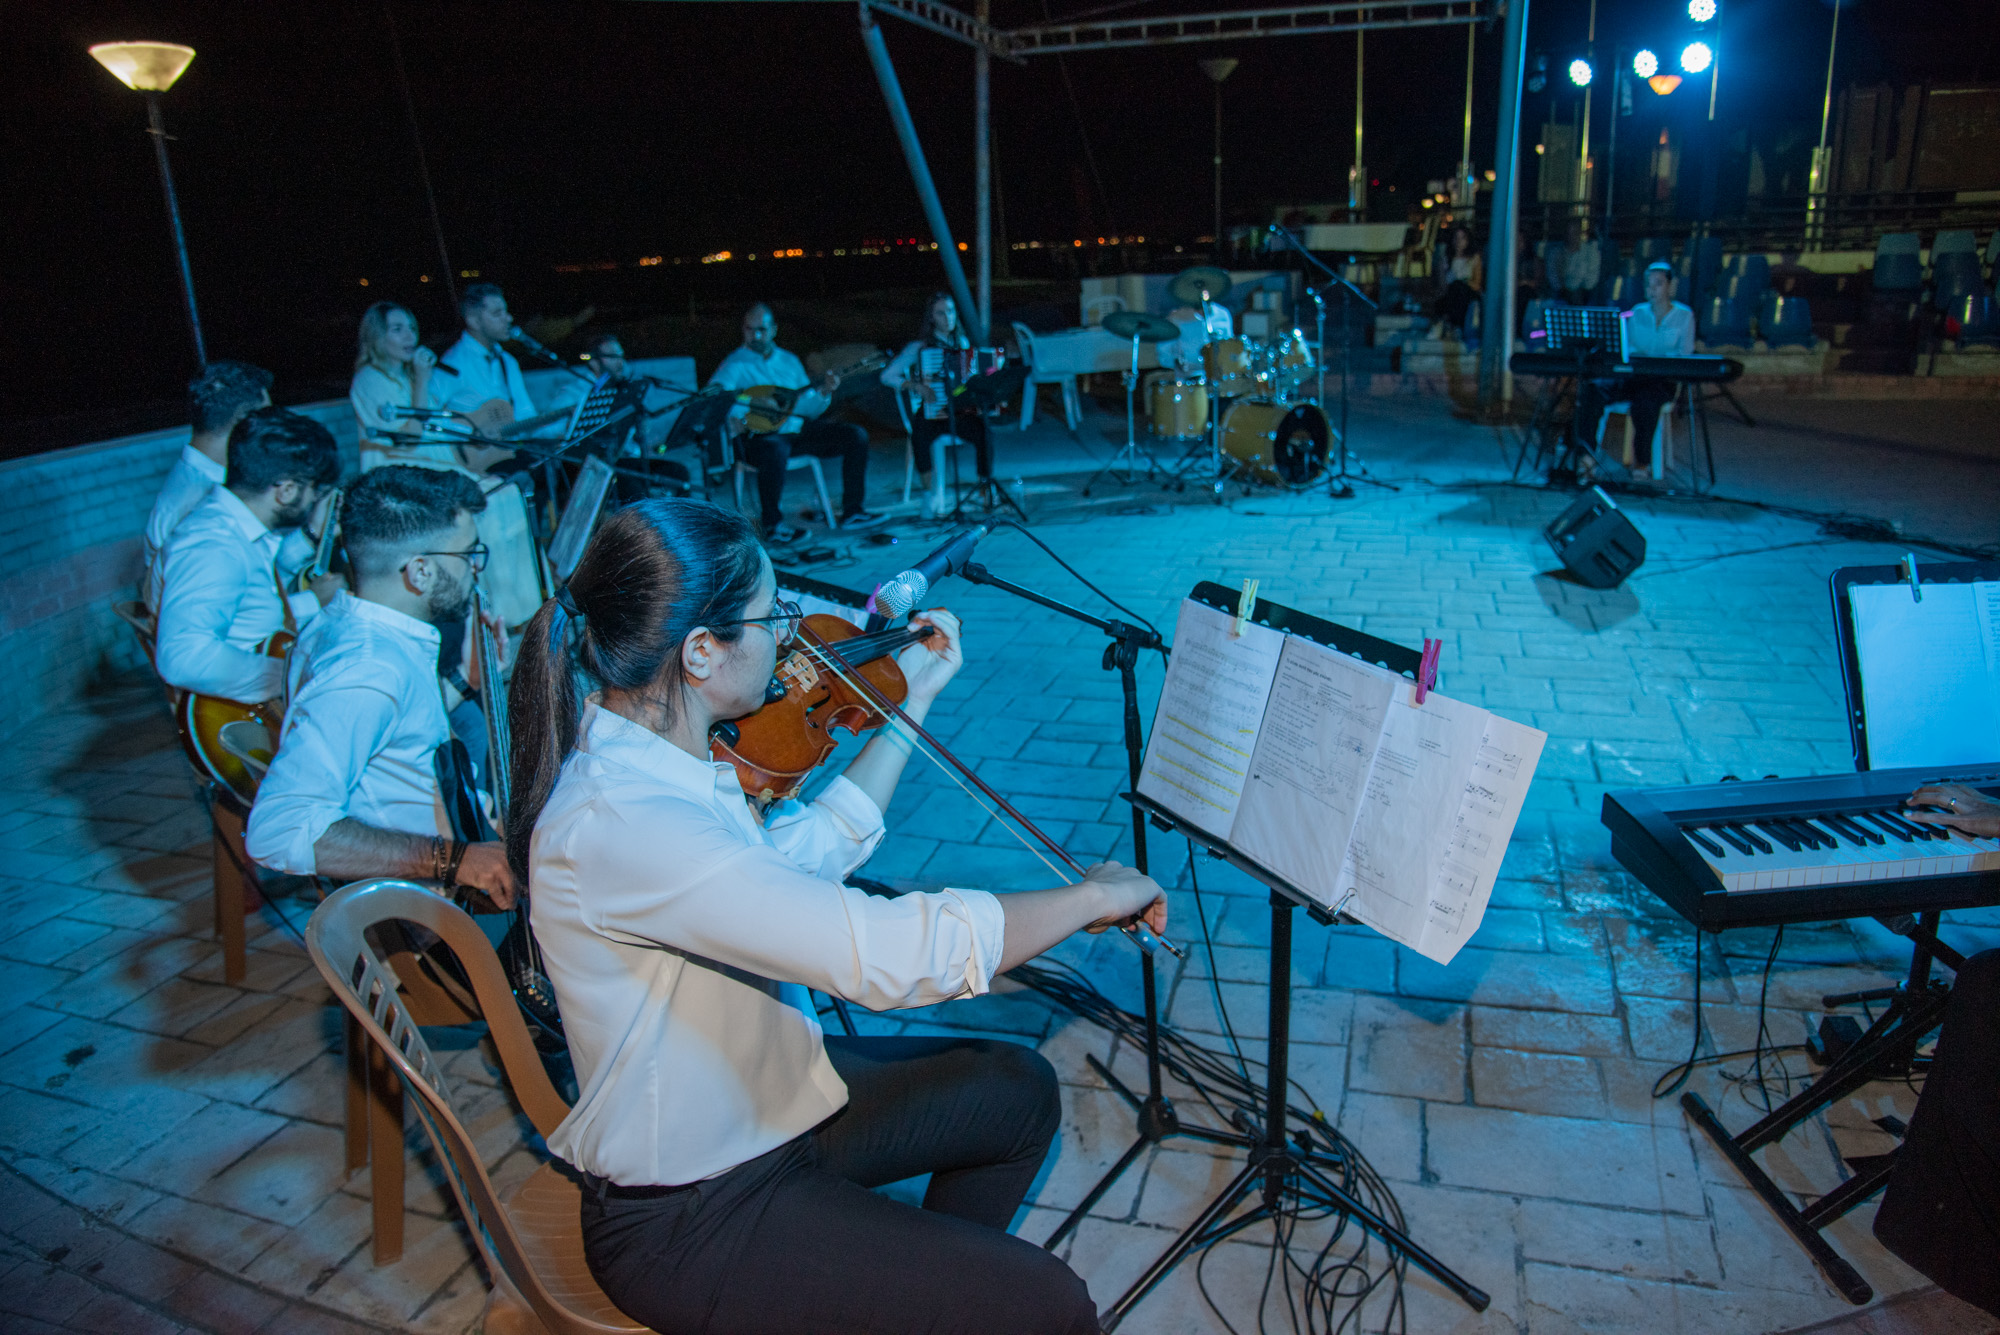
x: 844, y: 677
x: 811, y: 693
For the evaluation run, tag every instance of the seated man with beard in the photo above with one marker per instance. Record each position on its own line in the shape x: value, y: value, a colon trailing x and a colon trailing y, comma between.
x: 353, y: 791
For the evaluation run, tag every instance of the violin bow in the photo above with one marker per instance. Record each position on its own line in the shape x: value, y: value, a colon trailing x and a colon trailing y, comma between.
x: 937, y: 753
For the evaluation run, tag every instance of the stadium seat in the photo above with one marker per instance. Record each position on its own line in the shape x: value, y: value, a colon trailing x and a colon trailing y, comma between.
x: 1898, y: 263
x: 1978, y: 319
x: 1724, y: 323
x: 1785, y: 321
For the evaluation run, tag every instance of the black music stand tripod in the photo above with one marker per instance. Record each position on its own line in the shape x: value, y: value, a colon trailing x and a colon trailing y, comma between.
x: 1339, y: 483
x: 1287, y: 1167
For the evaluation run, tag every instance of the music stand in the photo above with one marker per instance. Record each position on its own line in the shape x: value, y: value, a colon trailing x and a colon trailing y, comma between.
x: 700, y: 427
x: 1582, y: 330
x: 1286, y: 1165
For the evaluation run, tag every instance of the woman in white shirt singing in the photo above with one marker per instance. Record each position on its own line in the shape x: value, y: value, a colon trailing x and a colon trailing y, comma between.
x: 728, y: 1147
x: 393, y: 371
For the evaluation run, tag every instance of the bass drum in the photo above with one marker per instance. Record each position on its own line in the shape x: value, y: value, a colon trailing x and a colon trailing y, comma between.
x: 514, y: 579
x: 1178, y: 408
x: 1282, y: 444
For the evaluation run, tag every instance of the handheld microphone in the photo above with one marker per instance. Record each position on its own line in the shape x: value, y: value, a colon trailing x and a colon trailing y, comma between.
x: 442, y: 365
x: 900, y: 594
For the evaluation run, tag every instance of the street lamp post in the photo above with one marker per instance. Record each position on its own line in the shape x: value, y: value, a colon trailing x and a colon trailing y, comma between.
x: 151, y: 68
x: 1218, y: 70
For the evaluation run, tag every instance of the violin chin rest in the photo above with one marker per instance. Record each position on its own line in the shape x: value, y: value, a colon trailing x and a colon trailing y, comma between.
x: 727, y: 733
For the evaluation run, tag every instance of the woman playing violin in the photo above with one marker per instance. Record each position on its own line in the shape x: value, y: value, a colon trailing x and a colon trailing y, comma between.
x: 728, y: 1146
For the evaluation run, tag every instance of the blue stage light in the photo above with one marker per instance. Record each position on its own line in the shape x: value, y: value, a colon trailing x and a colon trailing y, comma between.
x: 1696, y: 57
x: 1579, y: 72
x: 1701, y: 11
x: 1645, y: 64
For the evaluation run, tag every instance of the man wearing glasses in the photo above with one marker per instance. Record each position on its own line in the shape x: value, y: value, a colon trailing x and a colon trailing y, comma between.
x: 353, y: 790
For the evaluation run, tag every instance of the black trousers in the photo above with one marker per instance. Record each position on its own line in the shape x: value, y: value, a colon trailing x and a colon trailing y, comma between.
x: 1646, y: 393
x: 794, y: 1242
x: 1457, y: 300
x: 967, y: 423
x: 824, y: 440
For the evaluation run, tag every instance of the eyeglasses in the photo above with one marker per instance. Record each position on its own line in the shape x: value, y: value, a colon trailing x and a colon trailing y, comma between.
x: 784, y: 622
x: 474, y: 556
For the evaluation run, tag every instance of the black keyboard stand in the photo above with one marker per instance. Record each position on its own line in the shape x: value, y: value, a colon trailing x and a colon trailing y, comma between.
x: 1887, y: 1049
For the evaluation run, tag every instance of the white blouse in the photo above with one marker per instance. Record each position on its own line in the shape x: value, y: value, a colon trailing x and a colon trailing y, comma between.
x: 682, y: 936
x: 377, y: 397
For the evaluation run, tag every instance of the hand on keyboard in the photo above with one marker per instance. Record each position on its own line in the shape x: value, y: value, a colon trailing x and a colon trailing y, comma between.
x: 1957, y: 806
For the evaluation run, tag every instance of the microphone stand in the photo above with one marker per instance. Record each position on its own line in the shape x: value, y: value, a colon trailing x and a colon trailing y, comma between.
x: 1157, y: 1119
x: 1339, y: 484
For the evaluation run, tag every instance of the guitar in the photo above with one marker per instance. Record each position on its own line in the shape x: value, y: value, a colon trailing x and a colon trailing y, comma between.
x: 199, y: 720
x: 770, y: 406
x: 495, y: 418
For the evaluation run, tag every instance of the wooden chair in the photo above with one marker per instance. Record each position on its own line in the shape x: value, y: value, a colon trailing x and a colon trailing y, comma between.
x: 530, y: 1238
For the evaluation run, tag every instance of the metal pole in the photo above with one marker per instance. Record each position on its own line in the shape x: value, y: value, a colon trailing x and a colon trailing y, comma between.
x: 1583, y: 139
x: 982, y: 169
x: 1218, y: 167
x: 920, y: 173
x: 1466, y: 189
x: 1357, y: 175
x: 1817, y: 184
x: 1497, y: 319
x: 158, y: 128
x: 1611, y: 142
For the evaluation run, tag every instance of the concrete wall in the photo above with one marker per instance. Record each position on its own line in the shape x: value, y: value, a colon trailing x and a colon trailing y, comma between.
x: 70, y: 526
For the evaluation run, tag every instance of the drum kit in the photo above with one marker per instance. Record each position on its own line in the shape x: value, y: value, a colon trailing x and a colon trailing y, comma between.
x: 1246, y: 412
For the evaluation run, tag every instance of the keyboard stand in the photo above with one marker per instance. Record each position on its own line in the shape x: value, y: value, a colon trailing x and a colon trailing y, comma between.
x: 1888, y: 1048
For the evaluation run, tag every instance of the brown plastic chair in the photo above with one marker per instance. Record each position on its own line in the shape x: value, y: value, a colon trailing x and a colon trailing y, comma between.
x: 530, y: 1239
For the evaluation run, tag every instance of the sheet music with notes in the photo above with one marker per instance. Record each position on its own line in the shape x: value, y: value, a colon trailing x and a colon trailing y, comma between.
x: 1930, y: 672
x: 1323, y: 769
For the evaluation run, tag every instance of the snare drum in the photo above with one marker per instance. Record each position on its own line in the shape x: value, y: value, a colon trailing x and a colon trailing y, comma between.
x: 1283, y: 444
x: 1178, y: 408
x: 1232, y: 372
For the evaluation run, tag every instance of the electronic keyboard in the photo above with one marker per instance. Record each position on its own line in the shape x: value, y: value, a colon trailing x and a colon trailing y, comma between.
x: 1802, y: 850
x: 1702, y: 370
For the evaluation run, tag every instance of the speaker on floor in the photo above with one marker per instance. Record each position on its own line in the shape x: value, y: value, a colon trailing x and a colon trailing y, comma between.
x: 1596, y: 542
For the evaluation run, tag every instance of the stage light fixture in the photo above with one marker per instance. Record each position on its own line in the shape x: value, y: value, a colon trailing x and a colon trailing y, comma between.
x: 1701, y: 11
x: 1664, y: 83
x: 1579, y: 72
x: 1696, y: 57
x: 1645, y: 64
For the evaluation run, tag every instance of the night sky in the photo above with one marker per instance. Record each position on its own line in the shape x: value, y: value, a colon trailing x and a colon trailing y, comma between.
x: 611, y: 129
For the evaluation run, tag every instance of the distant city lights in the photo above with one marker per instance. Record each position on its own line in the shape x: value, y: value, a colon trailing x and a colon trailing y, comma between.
x: 1696, y: 57
x: 1645, y: 64
x: 1579, y: 72
x: 1701, y: 11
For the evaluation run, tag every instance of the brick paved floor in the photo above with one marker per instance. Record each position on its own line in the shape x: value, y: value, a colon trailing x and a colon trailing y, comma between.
x: 172, y: 1146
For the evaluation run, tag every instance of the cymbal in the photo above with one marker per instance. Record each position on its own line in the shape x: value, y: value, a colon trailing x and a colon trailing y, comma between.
x: 1137, y: 324
x: 1189, y: 284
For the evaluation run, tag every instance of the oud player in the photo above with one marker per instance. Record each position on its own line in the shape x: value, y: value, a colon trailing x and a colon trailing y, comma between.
x: 760, y: 362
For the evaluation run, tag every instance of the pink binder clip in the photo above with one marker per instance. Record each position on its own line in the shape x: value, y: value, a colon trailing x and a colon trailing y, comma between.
x: 1427, y: 669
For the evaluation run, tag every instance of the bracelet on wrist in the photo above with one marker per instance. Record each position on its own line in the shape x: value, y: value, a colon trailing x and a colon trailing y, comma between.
x: 455, y: 856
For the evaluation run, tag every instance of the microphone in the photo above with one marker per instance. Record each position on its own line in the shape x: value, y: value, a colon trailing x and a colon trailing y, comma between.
x: 442, y: 365
x: 532, y: 344
x: 900, y: 594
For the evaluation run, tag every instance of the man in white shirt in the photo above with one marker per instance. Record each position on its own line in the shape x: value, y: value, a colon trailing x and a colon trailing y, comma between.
x: 220, y: 584
x: 477, y: 369
x: 353, y: 788
x: 220, y: 397
x: 760, y: 361
x: 1659, y: 326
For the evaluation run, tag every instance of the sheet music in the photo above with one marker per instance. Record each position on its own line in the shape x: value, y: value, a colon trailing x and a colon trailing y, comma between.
x: 1309, y: 773
x: 1487, y: 812
x: 1198, y: 757
x: 1395, y: 862
x: 1930, y: 675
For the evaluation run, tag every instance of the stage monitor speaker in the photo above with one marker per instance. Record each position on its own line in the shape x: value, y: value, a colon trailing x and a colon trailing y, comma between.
x: 1596, y: 542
